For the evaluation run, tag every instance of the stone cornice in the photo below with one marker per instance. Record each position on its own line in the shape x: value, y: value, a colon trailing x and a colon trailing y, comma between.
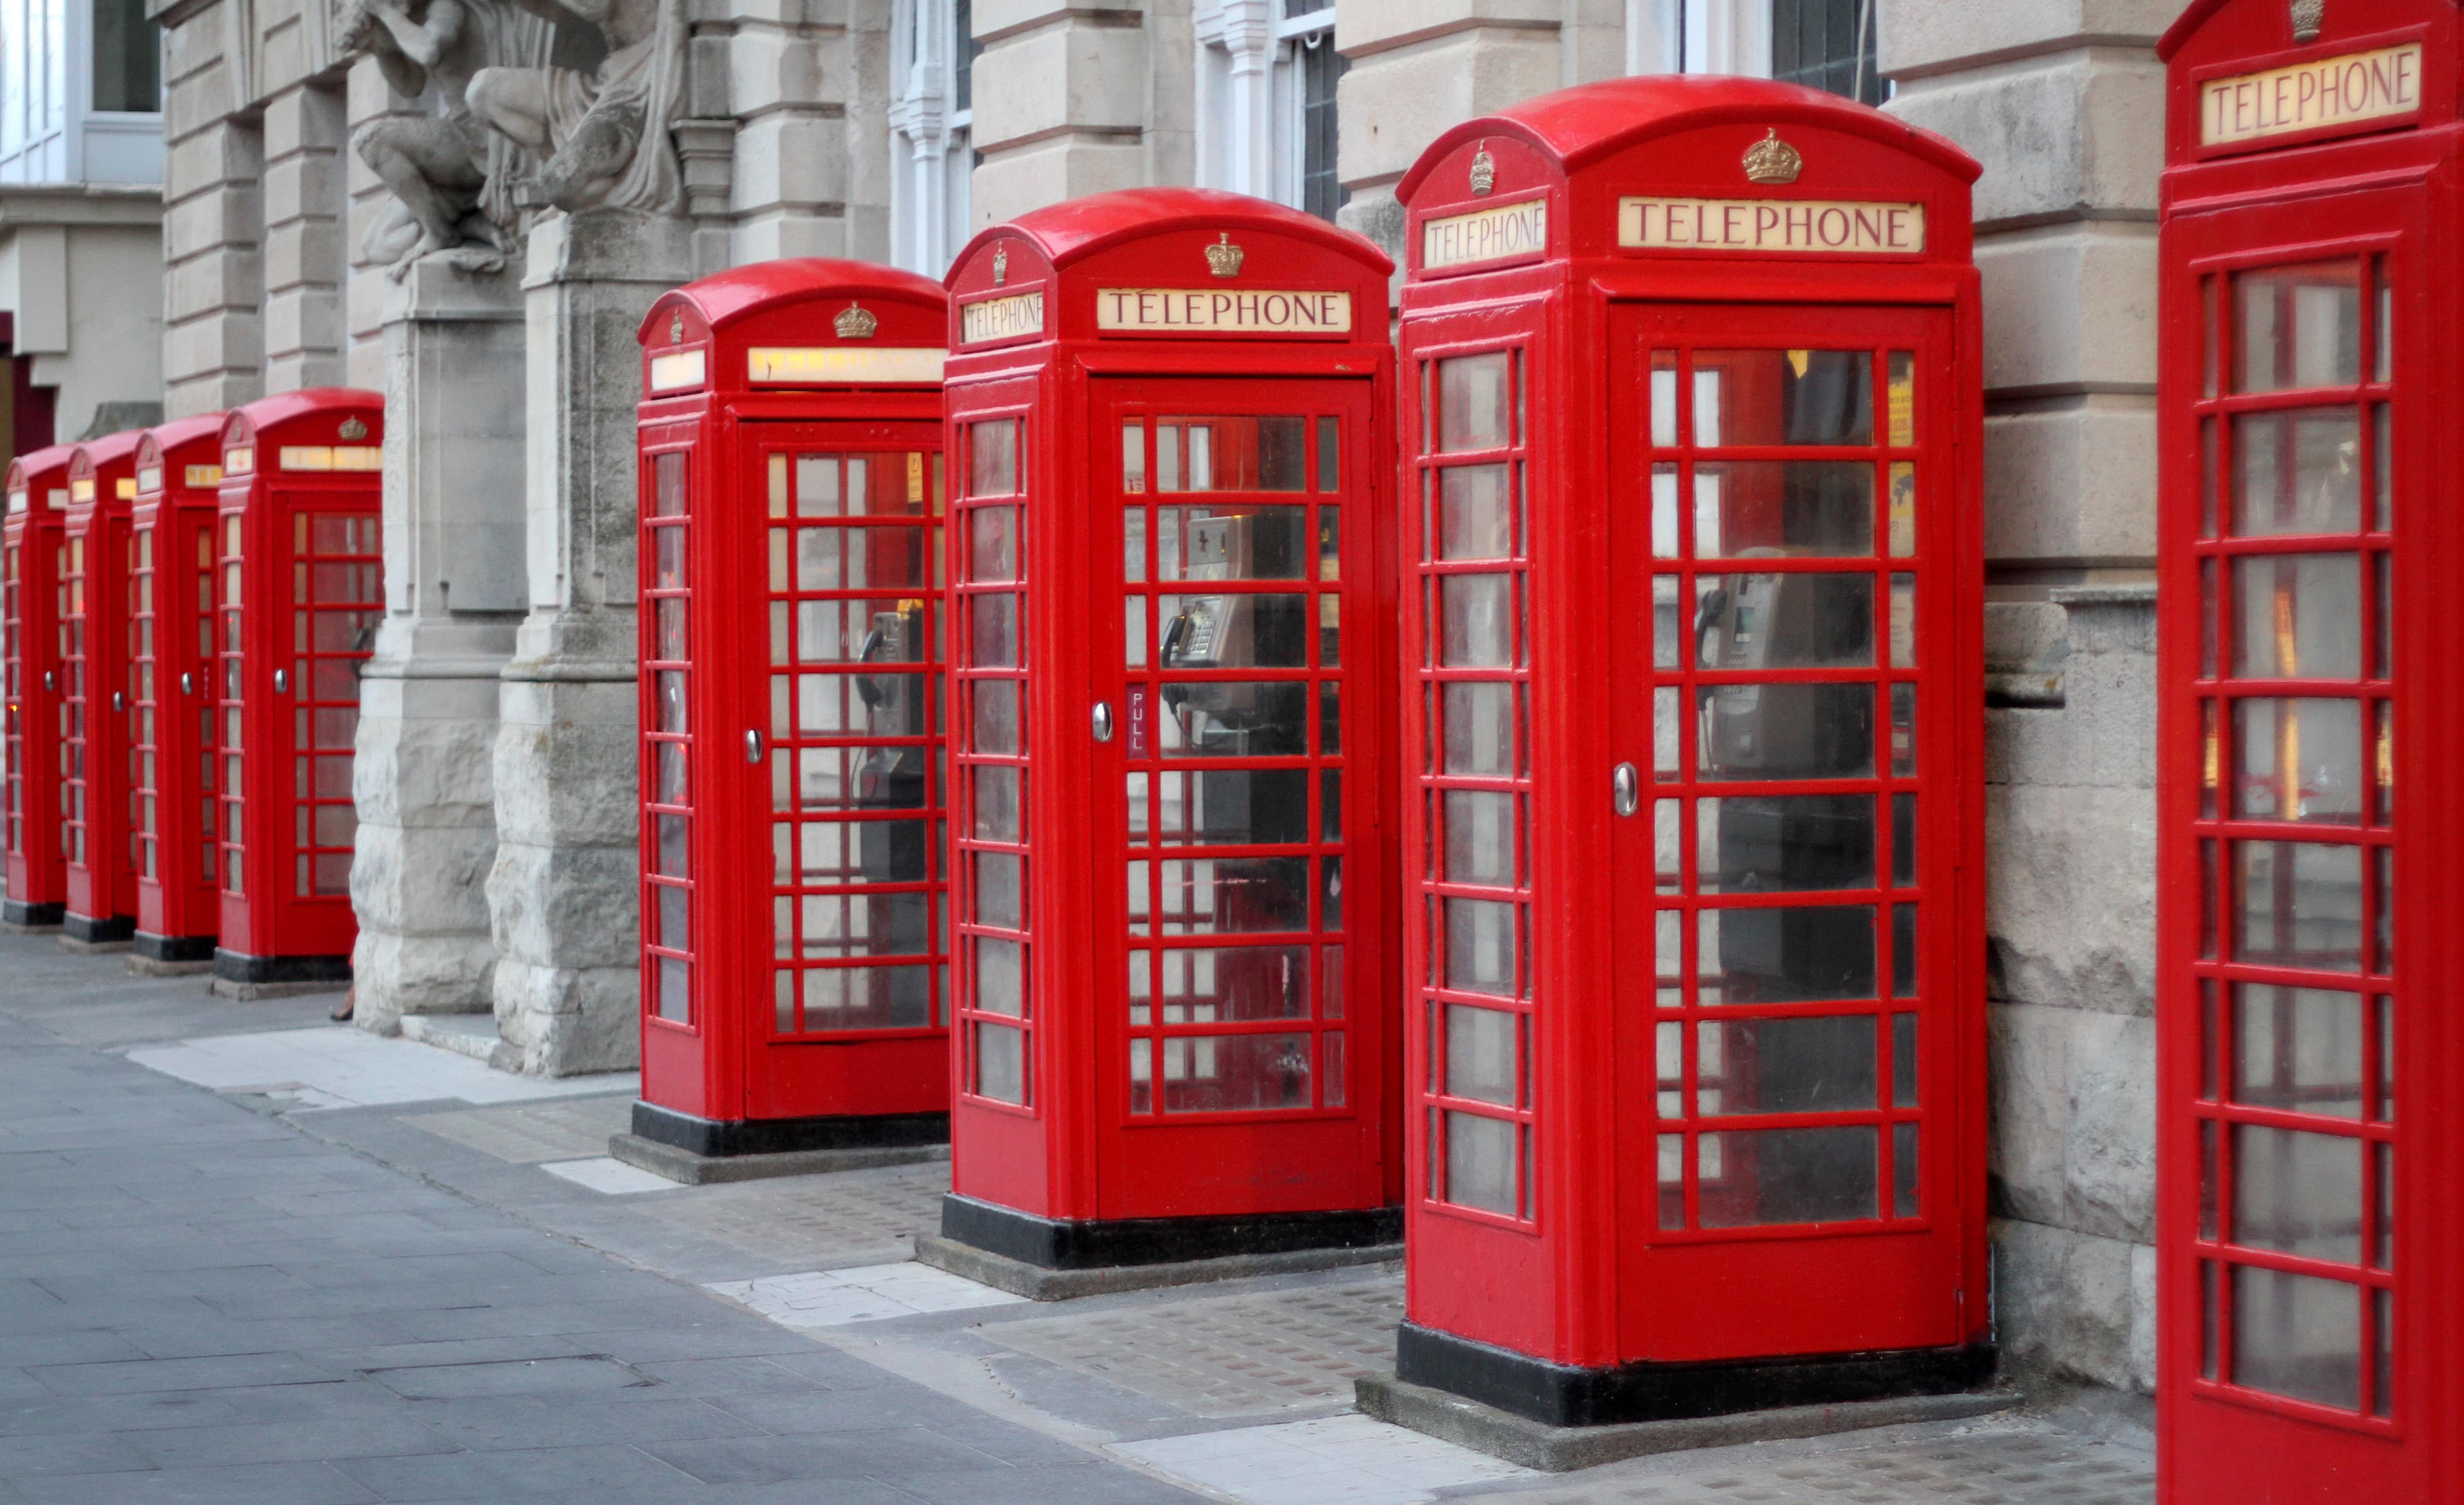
x: 25, y: 203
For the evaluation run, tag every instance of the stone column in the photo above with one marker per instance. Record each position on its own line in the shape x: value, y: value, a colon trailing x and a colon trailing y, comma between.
x: 2063, y: 104
x: 562, y: 896
x: 454, y: 591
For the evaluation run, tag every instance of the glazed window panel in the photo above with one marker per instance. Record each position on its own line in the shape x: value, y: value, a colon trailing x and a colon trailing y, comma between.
x: 338, y: 558
x: 853, y: 543
x: 2295, y: 1025
x: 993, y: 586
x: 668, y: 947
x: 1472, y: 811
x: 1233, y: 659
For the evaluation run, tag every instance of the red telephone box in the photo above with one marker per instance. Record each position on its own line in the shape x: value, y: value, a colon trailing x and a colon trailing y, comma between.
x: 95, y: 639
x: 300, y: 596
x: 171, y: 688
x: 2310, y: 255
x: 795, y: 959
x: 1697, y: 1018
x: 30, y: 606
x: 1173, y: 593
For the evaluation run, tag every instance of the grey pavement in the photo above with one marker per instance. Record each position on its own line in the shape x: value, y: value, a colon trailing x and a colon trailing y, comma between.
x: 200, y: 1302
x: 254, y: 1295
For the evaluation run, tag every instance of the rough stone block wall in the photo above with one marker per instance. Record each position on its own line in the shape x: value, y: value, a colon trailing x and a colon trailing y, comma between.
x: 1061, y: 95
x: 2061, y: 101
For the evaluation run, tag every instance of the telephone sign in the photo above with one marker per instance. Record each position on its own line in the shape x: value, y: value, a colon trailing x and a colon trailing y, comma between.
x: 30, y: 550
x: 172, y: 672
x: 1171, y: 598
x: 299, y: 593
x: 2305, y: 556
x: 795, y: 970
x: 95, y: 639
x: 1695, y: 1029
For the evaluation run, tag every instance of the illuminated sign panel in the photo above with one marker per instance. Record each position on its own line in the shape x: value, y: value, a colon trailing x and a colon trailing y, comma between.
x: 1002, y: 317
x: 2350, y: 90
x: 1220, y: 311
x: 1508, y: 233
x: 806, y: 366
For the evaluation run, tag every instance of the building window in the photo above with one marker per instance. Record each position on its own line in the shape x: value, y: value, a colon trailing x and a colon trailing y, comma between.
x: 1826, y: 44
x: 931, y: 113
x: 1266, y: 117
x: 127, y: 60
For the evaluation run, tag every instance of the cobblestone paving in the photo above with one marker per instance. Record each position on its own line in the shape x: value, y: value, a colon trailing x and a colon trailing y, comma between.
x: 817, y: 1218
x: 1229, y: 1356
x: 1996, y: 1464
x: 529, y: 1133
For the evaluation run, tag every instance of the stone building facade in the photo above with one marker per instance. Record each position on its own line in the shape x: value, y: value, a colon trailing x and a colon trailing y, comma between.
x: 495, y: 857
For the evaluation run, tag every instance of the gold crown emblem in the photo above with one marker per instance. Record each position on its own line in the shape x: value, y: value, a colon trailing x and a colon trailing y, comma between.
x: 1772, y: 160
x: 1224, y: 258
x: 676, y: 327
x: 855, y: 322
x: 1483, y: 171
x: 2308, y: 17
x: 352, y: 430
x: 1000, y: 266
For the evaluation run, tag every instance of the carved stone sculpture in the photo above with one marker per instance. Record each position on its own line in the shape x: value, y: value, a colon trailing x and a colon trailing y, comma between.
x: 449, y: 175
x: 602, y: 137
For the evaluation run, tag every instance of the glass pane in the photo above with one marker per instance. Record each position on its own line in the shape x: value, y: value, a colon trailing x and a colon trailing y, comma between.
x: 1751, y: 1178
x: 1252, y: 629
x: 868, y: 997
x: 1904, y: 1060
x: 2298, y: 904
x: 997, y: 723
x: 2297, y: 1335
x: 1480, y: 724
x: 1235, y: 1073
x: 1664, y: 399
x: 993, y: 455
x: 1795, y: 621
x: 1765, y: 844
x: 1788, y: 731
x: 1235, y: 719
x: 1482, y: 1060
x: 1476, y: 615
x: 2296, y: 472
x: 2301, y: 616
x: 1233, y: 807
x: 2299, y: 758
x: 1227, y: 895
x: 1480, y: 1163
x: 2298, y: 1193
x: 1786, y: 956
x: 1001, y: 890
x: 1211, y: 985
x: 1767, y: 397
x: 1232, y: 454
x: 2297, y: 326
x: 1480, y: 944
x: 1479, y: 844
x: 994, y: 641
x: 1903, y: 399
x: 2297, y: 1049
x: 992, y: 544
x: 1001, y: 1063
x: 1474, y: 411
x: 1800, y: 508
x: 1000, y: 803
x: 1000, y: 977
x: 1229, y: 543
x: 1475, y: 513
x: 1785, y: 1065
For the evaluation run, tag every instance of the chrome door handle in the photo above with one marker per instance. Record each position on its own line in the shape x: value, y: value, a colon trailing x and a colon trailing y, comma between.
x: 1103, y: 720
x: 752, y: 747
x: 1625, y: 789
x: 187, y: 684
x: 119, y: 700
x: 50, y: 681
x: 281, y: 681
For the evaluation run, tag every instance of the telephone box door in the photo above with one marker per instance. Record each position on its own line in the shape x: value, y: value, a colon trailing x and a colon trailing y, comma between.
x: 1253, y: 731
x: 2300, y: 1350
x: 849, y: 939
x: 1789, y: 1011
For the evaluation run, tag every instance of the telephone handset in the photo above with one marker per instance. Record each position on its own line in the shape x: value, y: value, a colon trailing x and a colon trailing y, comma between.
x: 1227, y: 630
x: 893, y: 777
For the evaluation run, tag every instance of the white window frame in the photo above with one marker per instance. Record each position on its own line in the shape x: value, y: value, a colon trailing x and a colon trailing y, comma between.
x: 1251, y: 135
x: 1730, y: 37
x: 932, y: 150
